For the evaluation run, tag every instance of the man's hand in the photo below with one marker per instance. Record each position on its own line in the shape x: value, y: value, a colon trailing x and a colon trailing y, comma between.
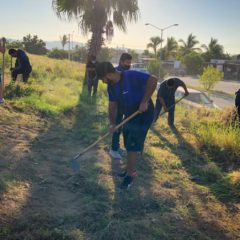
x: 143, y: 107
x: 112, y: 128
x: 186, y: 93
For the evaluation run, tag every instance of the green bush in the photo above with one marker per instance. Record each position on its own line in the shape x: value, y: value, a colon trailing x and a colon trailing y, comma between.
x: 58, y: 54
x: 193, y: 62
x: 155, y: 67
x: 210, y: 77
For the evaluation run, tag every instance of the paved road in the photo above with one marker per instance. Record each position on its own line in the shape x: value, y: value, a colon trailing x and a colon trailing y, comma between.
x: 223, y: 101
x: 229, y: 87
x: 220, y: 100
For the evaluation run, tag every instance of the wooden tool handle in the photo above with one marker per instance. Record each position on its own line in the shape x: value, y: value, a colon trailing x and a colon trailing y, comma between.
x: 104, y: 136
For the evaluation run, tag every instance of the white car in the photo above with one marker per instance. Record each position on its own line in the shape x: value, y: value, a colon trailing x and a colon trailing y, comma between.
x: 195, y: 98
x: 141, y: 67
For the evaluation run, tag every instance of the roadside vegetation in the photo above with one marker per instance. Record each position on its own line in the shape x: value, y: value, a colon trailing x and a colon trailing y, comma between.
x: 188, y: 185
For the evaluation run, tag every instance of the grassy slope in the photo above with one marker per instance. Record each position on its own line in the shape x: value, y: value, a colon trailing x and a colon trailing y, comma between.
x: 185, y: 190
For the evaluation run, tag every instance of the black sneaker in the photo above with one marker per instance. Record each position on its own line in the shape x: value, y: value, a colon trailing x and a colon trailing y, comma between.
x: 122, y: 174
x: 127, y: 182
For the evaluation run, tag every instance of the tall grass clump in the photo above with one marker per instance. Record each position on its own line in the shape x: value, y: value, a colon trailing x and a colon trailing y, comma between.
x: 219, y: 138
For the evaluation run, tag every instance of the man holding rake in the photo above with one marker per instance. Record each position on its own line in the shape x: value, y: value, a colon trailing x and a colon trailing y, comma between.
x: 132, y: 91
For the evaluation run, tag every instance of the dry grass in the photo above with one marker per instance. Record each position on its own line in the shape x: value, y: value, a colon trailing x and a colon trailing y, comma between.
x: 182, y: 191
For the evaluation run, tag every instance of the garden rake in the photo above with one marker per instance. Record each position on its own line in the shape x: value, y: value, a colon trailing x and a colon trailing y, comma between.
x: 75, y: 164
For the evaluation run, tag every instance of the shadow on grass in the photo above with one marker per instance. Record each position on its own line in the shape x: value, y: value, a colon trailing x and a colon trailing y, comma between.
x: 195, y: 164
x: 58, y: 204
x: 202, y: 170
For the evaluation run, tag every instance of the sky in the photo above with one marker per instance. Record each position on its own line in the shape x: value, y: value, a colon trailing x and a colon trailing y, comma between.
x: 204, y: 19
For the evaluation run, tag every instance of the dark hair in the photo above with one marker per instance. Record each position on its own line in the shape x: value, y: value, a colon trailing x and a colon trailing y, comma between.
x: 170, y: 81
x: 12, y: 51
x: 103, y: 68
x: 125, y: 56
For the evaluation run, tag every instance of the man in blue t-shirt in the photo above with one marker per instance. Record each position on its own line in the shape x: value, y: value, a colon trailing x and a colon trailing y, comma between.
x: 22, y: 65
x: 132, y: 91
x: 166, y: 98
x: 116, y: 152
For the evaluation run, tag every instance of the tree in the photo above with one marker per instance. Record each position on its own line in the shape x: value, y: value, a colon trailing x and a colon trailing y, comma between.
x: 155, y: 67
x: 14, y: 44
x: 34, y: 45
x: 189, y: 45
x: 210, y: 77
x: 170, y: 50
x: 98, y: 17
x: 105, y: 54
x: 154, y: 43
x: 134, y: 54
x: 193, y: 62
x: 64, y: 40
x: 213, y: 50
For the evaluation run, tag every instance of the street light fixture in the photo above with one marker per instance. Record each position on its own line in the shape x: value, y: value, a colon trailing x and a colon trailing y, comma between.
x: 162, y: 29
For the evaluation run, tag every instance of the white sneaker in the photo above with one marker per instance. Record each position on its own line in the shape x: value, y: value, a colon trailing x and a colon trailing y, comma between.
x: 115, y: 154
x: 2, y: 100
x: 122, y: 152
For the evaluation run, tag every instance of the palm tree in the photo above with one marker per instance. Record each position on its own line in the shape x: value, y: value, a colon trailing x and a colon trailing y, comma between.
x: 189, y: 45
x: 155, y: 41
x: 213, y: 51
x: 170, y: 50
x: 63, y: 40
x: 98, y: 17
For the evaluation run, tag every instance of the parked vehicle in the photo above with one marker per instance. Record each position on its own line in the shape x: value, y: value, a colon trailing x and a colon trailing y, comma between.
x: 141, y: 67
x: 195, y: 98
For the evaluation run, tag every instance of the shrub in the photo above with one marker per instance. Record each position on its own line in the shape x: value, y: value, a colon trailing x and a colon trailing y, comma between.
x: 210, y: 77
x: 58, y: 54
x: 155, y: 67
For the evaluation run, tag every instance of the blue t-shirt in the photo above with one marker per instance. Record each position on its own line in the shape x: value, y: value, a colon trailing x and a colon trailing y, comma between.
x: 130, y: 90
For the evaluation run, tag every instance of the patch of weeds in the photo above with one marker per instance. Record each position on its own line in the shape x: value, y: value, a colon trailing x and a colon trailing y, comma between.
x: 14, y: 90
x: 227, y: 189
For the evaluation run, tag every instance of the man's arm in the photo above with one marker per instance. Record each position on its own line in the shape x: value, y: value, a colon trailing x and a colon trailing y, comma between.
x: 183, y: 85
x: 151, y: 86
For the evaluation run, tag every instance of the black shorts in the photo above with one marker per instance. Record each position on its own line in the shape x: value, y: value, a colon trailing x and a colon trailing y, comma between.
x: 135, y: 131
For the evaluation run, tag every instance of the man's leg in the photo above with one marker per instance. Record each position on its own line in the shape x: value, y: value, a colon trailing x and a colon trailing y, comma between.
x: 95, y: 85
x: 171, y: 116
x: 131, y: 163
x: 157, y: 110
x: 25, y: 77
x: 89, y: 85
x: 14, y: 75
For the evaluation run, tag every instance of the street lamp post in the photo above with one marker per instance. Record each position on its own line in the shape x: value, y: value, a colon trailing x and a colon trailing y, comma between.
x: 162, y: 29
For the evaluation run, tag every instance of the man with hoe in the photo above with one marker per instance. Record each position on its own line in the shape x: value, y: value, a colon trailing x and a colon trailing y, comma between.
x: 116, y: 152
x: 166, y: 98
x: 132, y: 91
x: 22, y: 65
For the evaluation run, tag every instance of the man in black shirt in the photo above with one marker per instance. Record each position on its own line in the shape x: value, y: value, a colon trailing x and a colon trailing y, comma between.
x: 22, y: 65
x: 92, y: 79
x: 166, y: 98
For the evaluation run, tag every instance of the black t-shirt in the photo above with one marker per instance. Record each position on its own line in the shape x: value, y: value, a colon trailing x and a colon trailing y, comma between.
x: 91, y: 73
x: 237, y: 99
x: 169, y: 93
